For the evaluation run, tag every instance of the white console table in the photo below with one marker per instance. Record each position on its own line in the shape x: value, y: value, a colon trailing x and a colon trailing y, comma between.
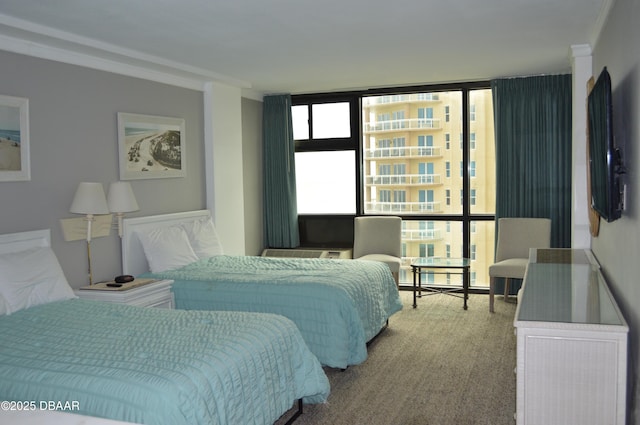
x: 571, y: 343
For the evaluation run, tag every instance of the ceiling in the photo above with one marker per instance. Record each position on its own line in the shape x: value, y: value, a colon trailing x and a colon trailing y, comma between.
x: 303, y: 46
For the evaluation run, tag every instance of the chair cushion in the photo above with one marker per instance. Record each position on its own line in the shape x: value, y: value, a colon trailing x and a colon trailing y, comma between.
x: 516, y: 235
x: 513, y: 268
x: 377, y: 235
x: 391, y: 261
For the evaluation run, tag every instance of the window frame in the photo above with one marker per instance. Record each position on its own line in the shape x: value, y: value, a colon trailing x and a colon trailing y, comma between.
x: 354, y: 142
x: 323, y: 144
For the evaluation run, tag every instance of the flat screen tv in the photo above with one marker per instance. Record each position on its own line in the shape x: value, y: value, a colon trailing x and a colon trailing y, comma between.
x: 605, y: 165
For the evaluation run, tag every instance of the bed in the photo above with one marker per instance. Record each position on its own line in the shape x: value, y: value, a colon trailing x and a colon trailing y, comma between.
x: 338, y: 305
x: 136, y: 364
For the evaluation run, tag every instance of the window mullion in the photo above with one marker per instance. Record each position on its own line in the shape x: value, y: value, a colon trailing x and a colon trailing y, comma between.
x: 466, y: 205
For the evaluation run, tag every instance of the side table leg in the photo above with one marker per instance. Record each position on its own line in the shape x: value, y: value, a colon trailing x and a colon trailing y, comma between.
x: 415, y: 270
x: 465, y: 285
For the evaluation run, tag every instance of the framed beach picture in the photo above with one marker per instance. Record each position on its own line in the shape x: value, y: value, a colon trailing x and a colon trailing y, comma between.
x: 14, y: 139
x: 151, y: 147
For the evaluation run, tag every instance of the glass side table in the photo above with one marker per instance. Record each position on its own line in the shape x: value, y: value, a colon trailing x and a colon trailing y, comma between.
x: 438, y: 265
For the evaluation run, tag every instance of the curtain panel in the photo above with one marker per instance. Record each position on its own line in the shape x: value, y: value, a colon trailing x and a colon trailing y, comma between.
x: 533, y: 131
x: 280, y: 202
x: 533, y: 136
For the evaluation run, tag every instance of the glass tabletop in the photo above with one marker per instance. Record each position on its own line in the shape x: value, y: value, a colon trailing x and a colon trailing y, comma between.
x: 439, y: 262
x: 567, y: 293
x: 566, y: 286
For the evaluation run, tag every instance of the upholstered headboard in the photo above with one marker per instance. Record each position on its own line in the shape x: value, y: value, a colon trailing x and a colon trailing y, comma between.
x: 134, y: 261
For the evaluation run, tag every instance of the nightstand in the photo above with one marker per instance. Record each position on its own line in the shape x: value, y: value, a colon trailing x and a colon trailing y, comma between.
x: 139, y: 292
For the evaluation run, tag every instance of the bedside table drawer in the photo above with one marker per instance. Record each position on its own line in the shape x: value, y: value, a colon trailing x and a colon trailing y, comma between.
x: 160, y: 299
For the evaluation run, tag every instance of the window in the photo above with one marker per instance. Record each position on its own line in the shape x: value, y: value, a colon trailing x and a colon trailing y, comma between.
x: 425, y: 118
x: 426, y: 143
x: 300, y: 121
x: 384, y: 170
x: 427, y: 250
x: 326, y: 182
x: 425, y: 199
x: 426, y: 174
x: 384, y: 147
x: 331, y: 120
x: 399, y: 197
x: 321, y: 121
x: 400, y: 145
x: 430, y: 278
x: 384, y: 121
x: 399, y: 170
x: 326, y: 154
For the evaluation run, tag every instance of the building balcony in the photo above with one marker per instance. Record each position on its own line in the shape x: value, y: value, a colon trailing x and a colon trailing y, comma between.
x: 403, y: 207
x: 421, y: 235
x: 408, y: 124
x: 369, y: 102
x: 404, y: 180
x: 404, y: 152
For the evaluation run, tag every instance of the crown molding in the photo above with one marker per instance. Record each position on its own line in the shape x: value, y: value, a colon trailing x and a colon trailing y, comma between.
x: 23, y: 37
x: 603, y: 16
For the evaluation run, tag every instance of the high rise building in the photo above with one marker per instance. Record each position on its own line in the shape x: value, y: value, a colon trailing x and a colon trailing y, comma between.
x: 414, y: 157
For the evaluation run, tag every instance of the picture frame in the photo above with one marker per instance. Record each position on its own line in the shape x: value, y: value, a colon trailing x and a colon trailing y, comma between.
x: 15, y: 162
x: 151, y: 147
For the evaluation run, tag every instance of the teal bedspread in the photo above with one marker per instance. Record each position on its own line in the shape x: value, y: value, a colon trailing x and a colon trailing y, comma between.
x: 338, y: 305
x: 157, y: 366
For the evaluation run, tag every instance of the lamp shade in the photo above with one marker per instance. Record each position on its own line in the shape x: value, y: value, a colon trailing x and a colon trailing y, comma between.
x: 89, y: 199
x: 121, y: 198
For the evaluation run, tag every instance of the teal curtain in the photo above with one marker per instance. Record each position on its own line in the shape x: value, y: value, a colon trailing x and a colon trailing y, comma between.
x: 533, y: 131
x: 280, y: 202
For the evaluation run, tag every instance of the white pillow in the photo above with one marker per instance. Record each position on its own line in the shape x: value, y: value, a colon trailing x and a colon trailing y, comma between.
x: 166, y: 248
x: 31, y: 277
x: 203, y: 238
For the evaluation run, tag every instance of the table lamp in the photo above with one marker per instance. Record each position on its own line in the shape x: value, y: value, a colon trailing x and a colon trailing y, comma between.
x: 89, y: 200
x: 121, y: 200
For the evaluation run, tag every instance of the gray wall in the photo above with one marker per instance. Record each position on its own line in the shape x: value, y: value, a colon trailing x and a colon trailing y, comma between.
x: 73, y: 129
x: 618, y: 245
